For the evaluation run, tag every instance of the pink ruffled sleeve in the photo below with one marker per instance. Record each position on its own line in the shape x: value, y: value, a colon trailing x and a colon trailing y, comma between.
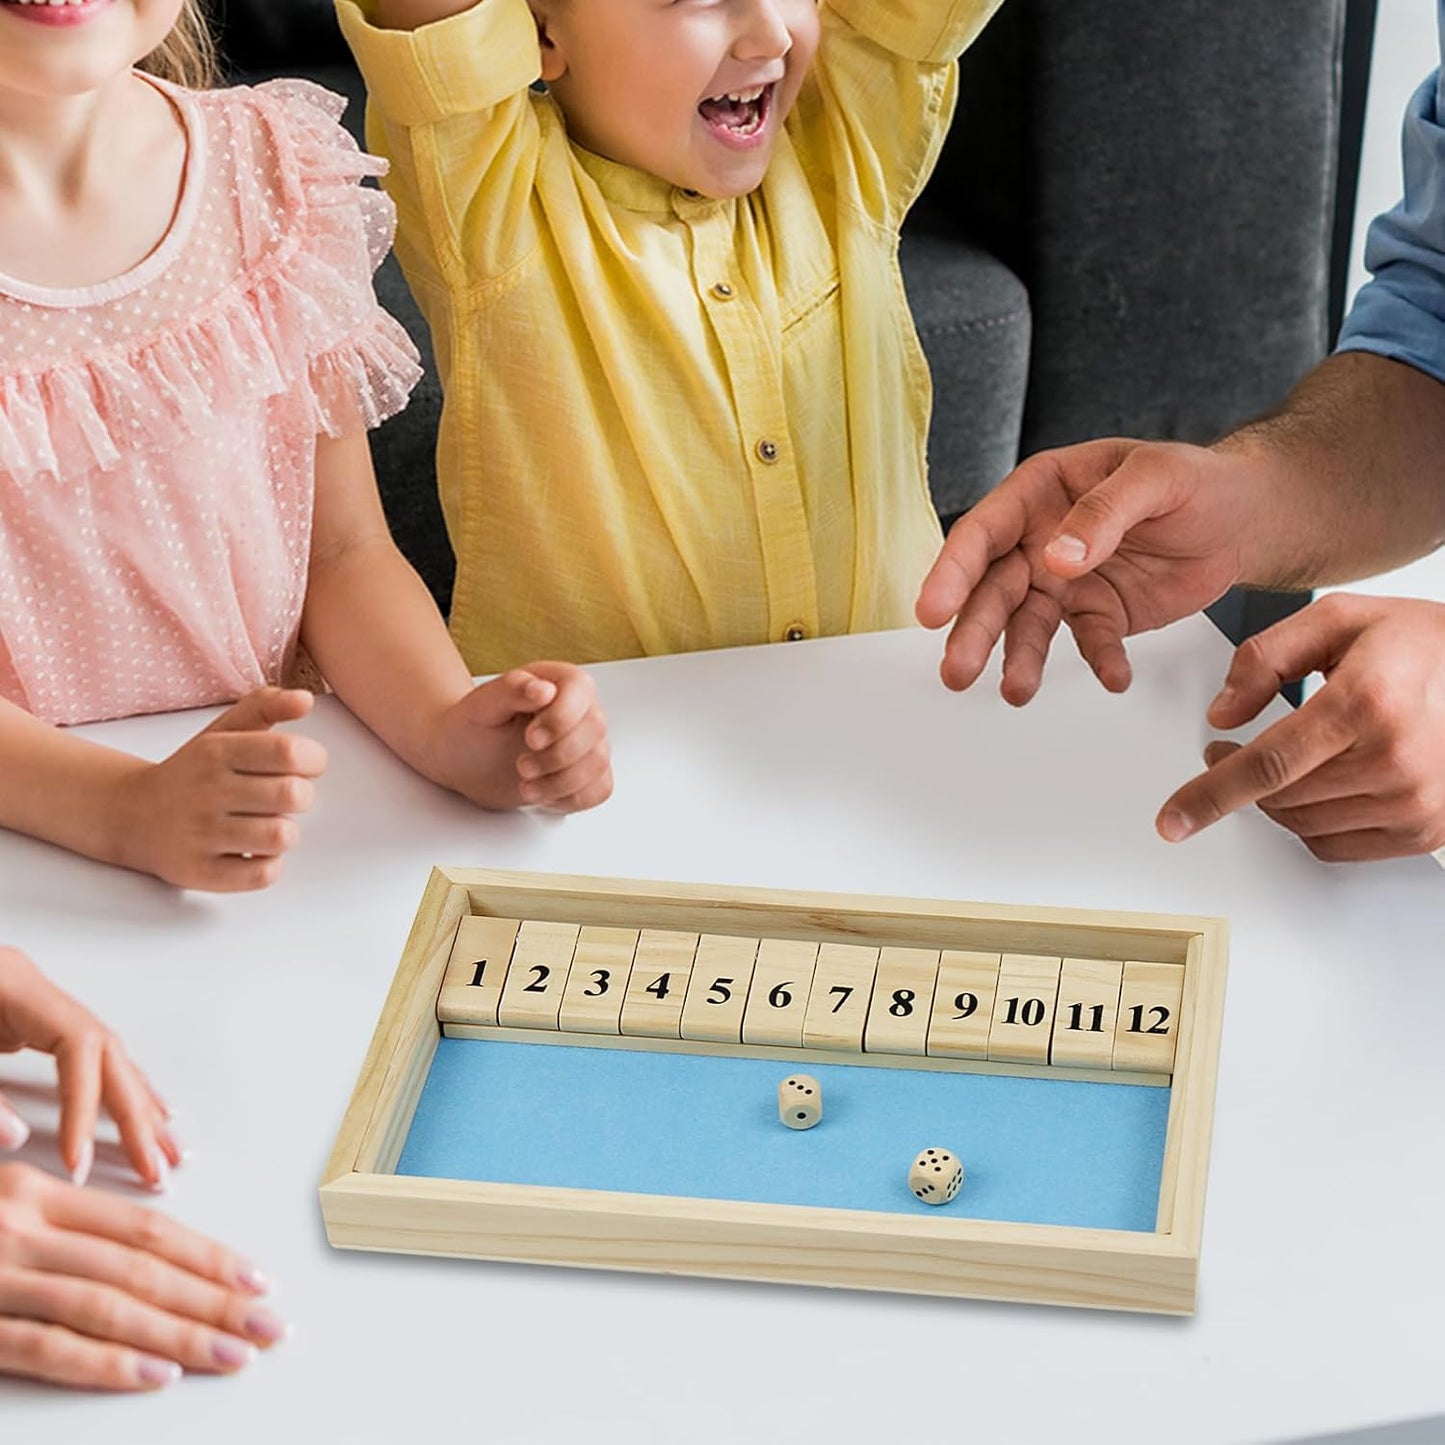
x: 360, y: 362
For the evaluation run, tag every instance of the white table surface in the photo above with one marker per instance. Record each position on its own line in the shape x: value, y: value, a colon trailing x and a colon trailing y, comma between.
x: 839, y: 765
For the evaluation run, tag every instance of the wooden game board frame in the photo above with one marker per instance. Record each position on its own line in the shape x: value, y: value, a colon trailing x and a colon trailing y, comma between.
x: 367, y: 1206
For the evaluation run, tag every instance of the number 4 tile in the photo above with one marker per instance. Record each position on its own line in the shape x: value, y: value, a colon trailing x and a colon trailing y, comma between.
x: 657, y: 986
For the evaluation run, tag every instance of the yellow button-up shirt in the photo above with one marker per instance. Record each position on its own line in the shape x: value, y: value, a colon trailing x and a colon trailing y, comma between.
x: 671, y: 422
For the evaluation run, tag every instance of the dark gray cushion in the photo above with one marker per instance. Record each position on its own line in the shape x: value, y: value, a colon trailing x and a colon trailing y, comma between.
x: 1161, y: 176
x: 972, y: 315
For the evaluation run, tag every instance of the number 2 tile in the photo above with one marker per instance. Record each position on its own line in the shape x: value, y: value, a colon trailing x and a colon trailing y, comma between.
x: 532, y: 995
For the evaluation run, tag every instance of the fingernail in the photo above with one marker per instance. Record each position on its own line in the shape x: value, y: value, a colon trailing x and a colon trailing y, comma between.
x: 151, y: 1371
x: 81, y: 1172
x: 231, y: 1353
x: 1174, y: 826
x: 539, y: 738
x: 253, y: 1279
x: 527, y: 767
x: 162, y: 1173
x: 1225, y: 696
x: 14, y: 1131
x: 266, y: 1326
x: 1067, y: 549
x: 528, y: 793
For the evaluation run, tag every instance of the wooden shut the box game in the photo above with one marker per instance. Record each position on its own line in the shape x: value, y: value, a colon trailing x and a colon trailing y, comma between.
x: 597, y: 1072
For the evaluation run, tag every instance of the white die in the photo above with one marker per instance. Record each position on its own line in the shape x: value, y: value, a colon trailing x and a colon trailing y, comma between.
x: 800, y: 1101
x: 935, y: 1176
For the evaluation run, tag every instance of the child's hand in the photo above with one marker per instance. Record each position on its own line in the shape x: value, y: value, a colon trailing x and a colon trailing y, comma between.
x: 93, y: 1070
x: 218, y: 813
x: 102, y: 1293
x: 534, y: 735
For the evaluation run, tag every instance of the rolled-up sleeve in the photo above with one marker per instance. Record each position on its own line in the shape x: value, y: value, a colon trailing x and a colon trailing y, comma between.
x: 1400, y: 313
x: 449, y: 107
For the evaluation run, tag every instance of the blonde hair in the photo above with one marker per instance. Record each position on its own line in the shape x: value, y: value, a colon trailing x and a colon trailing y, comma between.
x: 187, y: 56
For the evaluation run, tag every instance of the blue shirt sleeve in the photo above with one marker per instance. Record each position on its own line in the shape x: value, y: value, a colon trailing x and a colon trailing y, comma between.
x: 1401, y: 312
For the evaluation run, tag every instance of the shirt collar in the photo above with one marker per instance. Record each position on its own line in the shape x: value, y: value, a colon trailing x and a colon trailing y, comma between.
x: 636, y: 190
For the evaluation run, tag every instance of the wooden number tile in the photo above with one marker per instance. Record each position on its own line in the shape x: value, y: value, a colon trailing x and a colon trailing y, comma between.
x: 481, y: 954
x: 657, y: 988
x: 597, y: 980
x: 541, y: 961
x: 963, y: 1004
x: 1088, y: 1008
x: 717, y: 992
x: 838, y: 1001
x: 778, y: 998
x: 902, y: 998
x: 1023, y: 1008
x: 1148, y: 1017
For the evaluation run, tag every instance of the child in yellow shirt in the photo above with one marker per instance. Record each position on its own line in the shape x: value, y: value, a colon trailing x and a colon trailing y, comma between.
x: 685, y: 403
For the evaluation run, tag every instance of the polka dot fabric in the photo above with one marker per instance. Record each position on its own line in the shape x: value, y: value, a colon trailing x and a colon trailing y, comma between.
x: 158, y: 431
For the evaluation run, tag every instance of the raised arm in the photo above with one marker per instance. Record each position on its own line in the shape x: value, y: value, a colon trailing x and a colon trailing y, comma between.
x: 885, y: 84
x: 449, y: 106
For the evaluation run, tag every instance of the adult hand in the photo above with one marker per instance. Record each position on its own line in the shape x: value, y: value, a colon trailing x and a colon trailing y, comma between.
x: 1358, y: 771
x: 533, y: 735
x: 100, y: 1292
x: 219, y: 812
x: 1112, y: 537
x: 93, y: 1070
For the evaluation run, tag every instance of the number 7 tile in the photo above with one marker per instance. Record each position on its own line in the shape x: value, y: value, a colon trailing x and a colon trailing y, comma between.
x: 838, y: 1002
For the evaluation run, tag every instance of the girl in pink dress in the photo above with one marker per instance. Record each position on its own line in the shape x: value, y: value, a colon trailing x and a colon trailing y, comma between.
x: 191, y: 354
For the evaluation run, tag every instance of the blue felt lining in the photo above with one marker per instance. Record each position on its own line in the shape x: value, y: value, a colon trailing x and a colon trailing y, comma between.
x: 1038, y: 1151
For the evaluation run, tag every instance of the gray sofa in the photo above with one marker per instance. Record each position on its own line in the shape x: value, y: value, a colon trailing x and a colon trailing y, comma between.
x: 1130, y: 230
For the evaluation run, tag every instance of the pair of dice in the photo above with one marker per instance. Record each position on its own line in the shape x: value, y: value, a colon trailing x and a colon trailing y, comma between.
x: 935, y: 1176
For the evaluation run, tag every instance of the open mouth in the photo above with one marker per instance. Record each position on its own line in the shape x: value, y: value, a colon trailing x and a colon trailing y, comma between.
x: 738, y: 115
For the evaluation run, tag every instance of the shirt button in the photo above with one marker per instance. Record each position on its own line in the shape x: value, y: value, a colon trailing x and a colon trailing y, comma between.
x: 723, y: 291
x: 768, y: 451
x: 796, y: 633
